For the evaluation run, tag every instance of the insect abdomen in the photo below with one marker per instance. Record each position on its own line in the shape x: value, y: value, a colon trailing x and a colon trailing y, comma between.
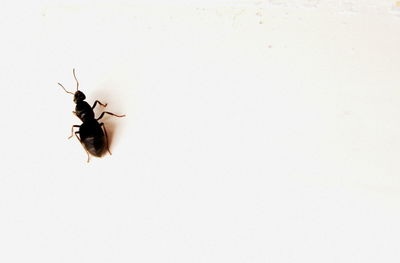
x: 95, y: 145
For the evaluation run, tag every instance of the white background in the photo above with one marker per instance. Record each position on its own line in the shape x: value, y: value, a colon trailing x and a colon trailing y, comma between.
x: 256, y: 131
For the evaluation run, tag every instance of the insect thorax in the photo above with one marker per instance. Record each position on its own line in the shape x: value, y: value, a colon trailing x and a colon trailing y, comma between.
x: 84, y: 111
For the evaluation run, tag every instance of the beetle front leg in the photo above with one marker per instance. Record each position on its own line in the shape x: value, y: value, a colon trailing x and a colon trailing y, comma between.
x: 95, y: 103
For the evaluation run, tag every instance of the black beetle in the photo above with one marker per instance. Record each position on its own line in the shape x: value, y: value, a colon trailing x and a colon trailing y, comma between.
x: 91, y: 134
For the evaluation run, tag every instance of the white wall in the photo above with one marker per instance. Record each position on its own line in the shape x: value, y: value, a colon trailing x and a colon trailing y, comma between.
x: 256, y: 131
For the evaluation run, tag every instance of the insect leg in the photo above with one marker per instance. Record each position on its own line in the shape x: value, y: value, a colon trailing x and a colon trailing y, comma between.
x: 101, y: 116
x: 79, y: 139
x: 95, y: 103
x: 105, y: 132
x: 72, y: 130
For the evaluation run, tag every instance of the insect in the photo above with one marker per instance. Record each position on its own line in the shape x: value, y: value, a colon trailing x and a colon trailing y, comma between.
x: 91, y: 134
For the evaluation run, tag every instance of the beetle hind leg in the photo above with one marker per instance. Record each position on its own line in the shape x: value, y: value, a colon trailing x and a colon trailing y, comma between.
x: 104, y: 112
x: 72, y: 130
x: 79, y: 139
x: 105, y: 133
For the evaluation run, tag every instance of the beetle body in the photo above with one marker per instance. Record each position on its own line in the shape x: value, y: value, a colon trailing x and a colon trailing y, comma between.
x: 92, y: 134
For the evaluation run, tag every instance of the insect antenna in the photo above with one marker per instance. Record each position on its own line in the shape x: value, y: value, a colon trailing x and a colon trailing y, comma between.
x: 77, y: 82
x: 65, y: 89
